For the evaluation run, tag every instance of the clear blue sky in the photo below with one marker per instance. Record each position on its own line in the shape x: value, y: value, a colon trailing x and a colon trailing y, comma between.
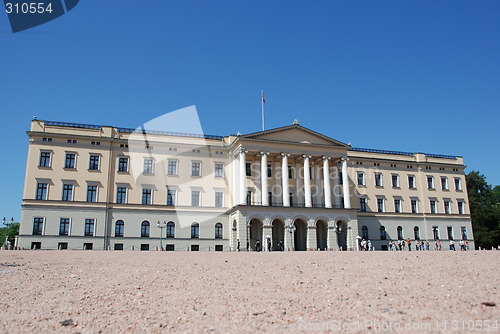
x: 399, y: 75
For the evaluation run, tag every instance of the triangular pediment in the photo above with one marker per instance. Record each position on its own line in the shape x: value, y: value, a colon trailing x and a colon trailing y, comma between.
x: 295, y: 134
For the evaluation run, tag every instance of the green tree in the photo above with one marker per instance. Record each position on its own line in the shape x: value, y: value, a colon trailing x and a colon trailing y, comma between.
x: 484, y: 203
x: 11, y: 231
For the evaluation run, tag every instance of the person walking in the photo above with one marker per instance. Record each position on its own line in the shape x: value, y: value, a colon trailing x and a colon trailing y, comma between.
x: 452, y: 245
x: 257, y: 246
x: 408, y: 241
x: 238, y: 245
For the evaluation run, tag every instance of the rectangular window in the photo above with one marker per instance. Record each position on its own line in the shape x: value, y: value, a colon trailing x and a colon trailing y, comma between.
x: 362, y: 204
x: 219, y: 199
x: 361, y: 179
x: 447, y: 207
x: 463, y: 230
x: 219, y: 170
x: 123, y: 165
x: 380, y: 204
x: 195, y: 198
x: 450, y: 232
x: 430, y: 182
x: 94, y: 162
x: 67, y: 194
x: 89, y: 227
x: 433, y: 206
x: 249, y: 197
x: 290, y: 198
x: 121, y: 195
x: 64, y: 226
x: 341, y: 178
x: 70, y: 161
x: 44, y: 159
x: 414, y: 206
x: 172, y: 167
x: 171, y: 194
x: 444, y: 183
x: 395, y: 181
x: 460, y: 207
x: 435, y: 232
x: 290, y: 172
x: 411, y: 181
x: 458, y: 184
x: 269, y: 170
x: 378, y: 179
x: 41, y: 191
x: 397, y: 205
x: 148, y: 166
x: 91, y: 193
x: 195, y: 169
x: 37, y: 226
x: 146, y: 196
x: 248, y: 169
x: 270, y: 198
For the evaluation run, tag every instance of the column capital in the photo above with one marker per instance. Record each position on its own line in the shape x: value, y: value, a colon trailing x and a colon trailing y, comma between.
x: 326, y: 158
x: 264, y: 153
x: 306, y: 156
x: 285, y: 154
x: 344, y: 159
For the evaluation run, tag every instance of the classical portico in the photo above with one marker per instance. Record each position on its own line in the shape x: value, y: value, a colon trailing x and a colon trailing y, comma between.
x: 292, y: 188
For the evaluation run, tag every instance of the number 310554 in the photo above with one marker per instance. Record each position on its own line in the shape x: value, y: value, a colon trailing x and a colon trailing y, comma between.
x: 28, y: 8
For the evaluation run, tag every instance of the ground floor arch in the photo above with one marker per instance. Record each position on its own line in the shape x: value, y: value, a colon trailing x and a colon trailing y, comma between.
x: 300, y: 235
x: 278, y: 233
x: 321, y: 234
x: 255, y: 234
x: 341, y: 229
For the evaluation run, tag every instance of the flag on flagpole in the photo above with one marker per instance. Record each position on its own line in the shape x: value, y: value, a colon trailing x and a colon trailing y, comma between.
x: 263, y: 102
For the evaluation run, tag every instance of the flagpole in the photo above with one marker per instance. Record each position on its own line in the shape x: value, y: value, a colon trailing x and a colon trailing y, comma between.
x: 262, y: 102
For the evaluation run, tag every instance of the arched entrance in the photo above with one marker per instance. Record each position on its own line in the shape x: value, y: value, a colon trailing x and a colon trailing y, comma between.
x: 342, y: 234
x: 278, y: 234
x: 300, y: 235
x: 255, y: 233
x: 321, y: 235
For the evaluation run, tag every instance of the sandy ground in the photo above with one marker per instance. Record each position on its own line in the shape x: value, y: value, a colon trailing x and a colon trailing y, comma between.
x: 153, y: 292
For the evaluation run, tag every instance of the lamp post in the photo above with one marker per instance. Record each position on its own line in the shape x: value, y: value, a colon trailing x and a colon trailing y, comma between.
x: 7, y: 224
x: 161, y: 226
x: 291, y: 229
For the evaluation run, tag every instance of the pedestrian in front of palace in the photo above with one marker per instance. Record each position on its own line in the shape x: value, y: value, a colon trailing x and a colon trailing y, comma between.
x: 452, y: 245
x: 408, y: 241
x: 269, y: 245
x: 238, y: 245
x: 427, y: 245
x: 370, y: 245
x: 257, y: 246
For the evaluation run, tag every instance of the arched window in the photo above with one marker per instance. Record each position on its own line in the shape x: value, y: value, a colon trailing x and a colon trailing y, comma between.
x: 218, y: 231
x: 400, y: 233
x: 364, y: 232
x: 170, y: 230
x: 383, y: 235
x: 145, y: 229
x: 416, y: 230
x: 119, y: 227
x: 195, y: 230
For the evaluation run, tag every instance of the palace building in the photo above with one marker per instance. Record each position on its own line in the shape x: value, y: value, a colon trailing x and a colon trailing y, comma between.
x: 103, y: 187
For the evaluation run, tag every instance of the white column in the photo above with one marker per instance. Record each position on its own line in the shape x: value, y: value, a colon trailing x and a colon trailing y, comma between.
x: 336, y: 189
x: 307, y: 182
x: 284, y: 173
x: 317, y: 179
x: 263, y: 178
x: 243, y: 177
x: 298, y: 186
x: 326, y: 183
x: 345, y: 185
